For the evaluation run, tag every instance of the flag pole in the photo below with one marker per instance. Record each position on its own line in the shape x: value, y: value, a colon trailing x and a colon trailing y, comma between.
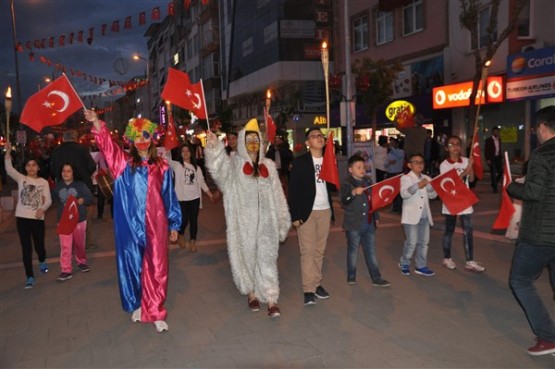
x: 372, y: 185
x: 204, y: 103
x: 482, y: 94
x: 79, y: 97
x: 508, y: 167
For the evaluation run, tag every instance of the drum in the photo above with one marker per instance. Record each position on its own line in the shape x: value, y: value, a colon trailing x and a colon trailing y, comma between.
x: 105, y: 183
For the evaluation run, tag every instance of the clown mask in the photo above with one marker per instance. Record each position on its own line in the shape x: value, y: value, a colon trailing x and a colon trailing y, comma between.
x: 252, y: 142
x: 142, y: 143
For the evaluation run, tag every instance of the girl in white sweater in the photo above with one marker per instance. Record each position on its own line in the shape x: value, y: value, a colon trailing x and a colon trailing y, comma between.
x: 33, y: 201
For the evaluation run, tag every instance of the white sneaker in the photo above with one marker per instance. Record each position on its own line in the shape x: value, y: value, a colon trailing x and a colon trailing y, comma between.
x: 136, y: 316
x: 472, y: 266
x: 449, y: 264
x: 161, y: 326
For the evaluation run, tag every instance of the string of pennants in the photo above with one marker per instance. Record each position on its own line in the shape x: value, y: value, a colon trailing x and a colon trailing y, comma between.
x: 121, y: 87
x: 79, y: 36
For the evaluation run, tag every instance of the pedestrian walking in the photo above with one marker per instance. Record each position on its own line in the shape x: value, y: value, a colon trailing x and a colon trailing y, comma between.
x: 33, y: 194
x: 256, y: 215
x: 73, y: 242
x: 535, y: 249
x: 145, y: 211
x: 416, y: 217
x: 311, y: 210
x: 360, y: 221
x: 464, y: 170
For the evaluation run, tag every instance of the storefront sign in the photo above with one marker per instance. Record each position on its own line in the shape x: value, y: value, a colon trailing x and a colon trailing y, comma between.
x: 320, y: 120
x: 533, y: 87
x: 531, y: 63
x: 396, y: 107
x: 458, y: 95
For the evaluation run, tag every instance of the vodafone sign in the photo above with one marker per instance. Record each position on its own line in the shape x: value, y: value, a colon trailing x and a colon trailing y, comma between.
x: 458, y: 95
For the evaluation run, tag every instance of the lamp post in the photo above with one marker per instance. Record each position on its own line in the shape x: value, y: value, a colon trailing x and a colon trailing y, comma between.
x: 348, y: 77
x: 326, y: 65
x: 8, y: 106
x: 44, y: 79
x: 147, y: 96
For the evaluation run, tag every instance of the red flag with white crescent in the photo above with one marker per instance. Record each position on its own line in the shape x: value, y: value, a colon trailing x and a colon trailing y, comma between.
x: 181, y: 92
x: 70, y: 216
x: 385, y: 191
x: 454, y: 193
x: 506, y: 208
x: 271, y: 127
x: 477, y: 164
x: 329, y: 171
x: 170, y: 139
x: 52, y: 105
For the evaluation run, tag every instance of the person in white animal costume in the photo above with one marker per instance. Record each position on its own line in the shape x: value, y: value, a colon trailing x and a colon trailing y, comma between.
x: 256, y: 214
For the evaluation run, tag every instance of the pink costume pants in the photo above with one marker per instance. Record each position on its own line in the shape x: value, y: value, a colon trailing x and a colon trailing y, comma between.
x: 73, y: 242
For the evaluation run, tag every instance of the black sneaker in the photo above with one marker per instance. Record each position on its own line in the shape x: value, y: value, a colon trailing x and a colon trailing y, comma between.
x: 321, y: 293
x: 381, y: 283
x: 84, y: 268
x: 309, y: 298
x: 64, y: 277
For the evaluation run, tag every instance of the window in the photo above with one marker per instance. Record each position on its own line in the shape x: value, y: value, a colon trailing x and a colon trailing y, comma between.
x: 483, y: 23
x: 384, y: 27
x: 360, y: 33
x: 413, y: 19
x: 247, y: 47
x: 523, y: 23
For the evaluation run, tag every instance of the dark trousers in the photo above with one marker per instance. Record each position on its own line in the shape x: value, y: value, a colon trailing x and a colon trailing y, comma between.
x: 529, y: 261
x: 468, y: 240
x: 189, y: 214
x: 31, y: 231
x: 496, y: 171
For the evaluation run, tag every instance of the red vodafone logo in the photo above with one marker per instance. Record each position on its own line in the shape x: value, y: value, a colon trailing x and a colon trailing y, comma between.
x: 495, y: 89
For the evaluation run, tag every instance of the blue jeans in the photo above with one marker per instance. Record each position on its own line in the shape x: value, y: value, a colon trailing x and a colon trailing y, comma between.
x: 367, y: 238
x: 418, y: 237
x: 450, y: 223
x: 528, y: 263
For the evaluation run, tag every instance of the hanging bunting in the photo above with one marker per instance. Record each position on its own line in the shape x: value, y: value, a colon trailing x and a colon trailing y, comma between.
x: 103, y: 30
x: 127, y: 23
x: 171, y: 9
x: 62, y: 40
x: 155, y: 14
x: 142, y: 18
x: 80, y: 36
x: 71, y: 35
x: 115, y: 26
x: 19, y: 47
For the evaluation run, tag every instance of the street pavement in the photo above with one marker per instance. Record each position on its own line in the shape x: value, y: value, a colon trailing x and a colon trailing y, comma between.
x: 456, y: 319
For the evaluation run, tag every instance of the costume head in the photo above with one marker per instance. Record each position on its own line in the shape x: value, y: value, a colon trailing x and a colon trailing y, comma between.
x: 140, y: 132
x: 246, y: 140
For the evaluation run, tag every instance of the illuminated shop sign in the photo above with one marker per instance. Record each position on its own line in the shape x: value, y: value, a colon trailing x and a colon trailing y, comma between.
x: 458, y: 95
x: 396, y: 107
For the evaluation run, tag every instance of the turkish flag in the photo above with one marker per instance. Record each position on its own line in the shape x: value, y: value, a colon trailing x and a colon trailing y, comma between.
x: 405, y: 118
x: 329, y: 171
x: 385, y: 191
x: 506, y: 209
x: 70, y: 216
x: 477, y: 165
x: 52, y: 105
x: 155, y: 14
x: 456, y: 196
x: 179, y: 91
x: 170, y: 139
x: 142, y: 18
x: 271, y: 127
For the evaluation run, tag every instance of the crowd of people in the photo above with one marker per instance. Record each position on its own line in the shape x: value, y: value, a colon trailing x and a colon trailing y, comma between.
x: 265, y: 192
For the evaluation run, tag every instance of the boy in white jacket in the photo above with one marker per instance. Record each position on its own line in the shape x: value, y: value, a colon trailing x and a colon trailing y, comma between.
x: 416, y: 218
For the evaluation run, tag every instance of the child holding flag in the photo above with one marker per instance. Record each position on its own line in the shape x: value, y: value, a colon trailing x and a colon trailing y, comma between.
x: 360, y: 221
x: 464, y: 170
x: 74, y: 241
x: 416, y: 217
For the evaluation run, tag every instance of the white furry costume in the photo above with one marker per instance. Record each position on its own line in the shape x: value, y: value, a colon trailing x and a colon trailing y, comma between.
x: 257, y: 218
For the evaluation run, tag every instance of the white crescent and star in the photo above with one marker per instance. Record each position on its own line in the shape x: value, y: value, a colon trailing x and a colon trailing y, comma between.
x: 63, y: 96
x: 444, y: 181
x: 72, y: 209
x: 198, y: 104
x: 386, y: 187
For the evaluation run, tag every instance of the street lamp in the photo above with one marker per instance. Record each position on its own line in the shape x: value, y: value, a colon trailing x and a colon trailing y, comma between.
x: 43, y: 79
x: 138, y: 57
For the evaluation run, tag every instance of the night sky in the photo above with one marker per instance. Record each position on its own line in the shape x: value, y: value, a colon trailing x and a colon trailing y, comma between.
x: 41, y: 19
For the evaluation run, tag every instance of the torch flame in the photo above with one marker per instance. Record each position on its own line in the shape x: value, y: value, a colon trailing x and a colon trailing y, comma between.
x: 268, y: 94
x: 9, y: 93
x: 324, y: 45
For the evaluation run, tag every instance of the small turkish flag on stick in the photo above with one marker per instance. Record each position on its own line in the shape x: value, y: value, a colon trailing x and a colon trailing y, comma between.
x: 329, y: 171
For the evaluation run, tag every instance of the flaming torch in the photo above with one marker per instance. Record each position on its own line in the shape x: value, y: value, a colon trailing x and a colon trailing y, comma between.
x: 8, y: 106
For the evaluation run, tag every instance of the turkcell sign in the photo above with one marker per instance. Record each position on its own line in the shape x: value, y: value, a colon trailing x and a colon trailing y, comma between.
x: 531, y: 63
x: 458, y: 95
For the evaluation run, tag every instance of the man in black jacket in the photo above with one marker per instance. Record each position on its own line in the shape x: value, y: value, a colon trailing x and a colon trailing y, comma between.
x: 72, y: 152
x: 536, y: 241
x: 311, y: 210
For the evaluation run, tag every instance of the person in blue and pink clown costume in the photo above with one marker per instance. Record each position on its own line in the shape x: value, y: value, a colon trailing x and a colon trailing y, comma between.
x: 145, y: 210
